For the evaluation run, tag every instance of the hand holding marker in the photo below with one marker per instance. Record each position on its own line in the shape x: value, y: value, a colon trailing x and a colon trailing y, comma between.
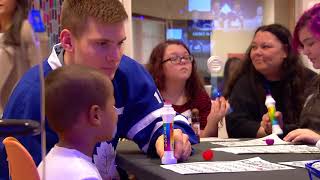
x: 167, y: 116
x: 271, y: 105
x: 217, y: 94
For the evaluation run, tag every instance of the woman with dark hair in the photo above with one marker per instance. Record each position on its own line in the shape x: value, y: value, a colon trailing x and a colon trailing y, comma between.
x: 174, y: 71
x: 307, y: 39
x: 17, y: 49
x: 270, y: 67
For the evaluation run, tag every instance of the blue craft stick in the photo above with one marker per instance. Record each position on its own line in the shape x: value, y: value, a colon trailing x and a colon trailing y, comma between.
x: 216, y: 94
x: 35, y: 21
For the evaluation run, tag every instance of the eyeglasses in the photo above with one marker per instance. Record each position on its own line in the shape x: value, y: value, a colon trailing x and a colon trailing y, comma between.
x: 178, y: 59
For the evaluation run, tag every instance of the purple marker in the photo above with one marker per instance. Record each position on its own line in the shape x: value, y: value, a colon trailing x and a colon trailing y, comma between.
x: 168, y: 114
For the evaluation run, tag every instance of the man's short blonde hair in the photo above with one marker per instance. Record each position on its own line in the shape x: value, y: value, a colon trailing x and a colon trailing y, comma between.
x: 75, y: 13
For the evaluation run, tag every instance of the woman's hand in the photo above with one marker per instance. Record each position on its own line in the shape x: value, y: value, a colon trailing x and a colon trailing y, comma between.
x: 266, y: 126
x: 219, y: 108
x: 302, y: 135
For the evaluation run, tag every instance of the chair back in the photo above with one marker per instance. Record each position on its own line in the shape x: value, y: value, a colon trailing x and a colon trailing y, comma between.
x: 21, y: 164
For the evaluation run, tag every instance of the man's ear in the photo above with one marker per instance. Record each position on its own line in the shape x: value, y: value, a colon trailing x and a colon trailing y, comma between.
x: 66, y: 40
x: 95, y: 114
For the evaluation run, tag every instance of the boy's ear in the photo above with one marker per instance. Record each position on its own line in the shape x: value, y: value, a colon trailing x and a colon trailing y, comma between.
x: 95, y: 114
x: 66, y: 40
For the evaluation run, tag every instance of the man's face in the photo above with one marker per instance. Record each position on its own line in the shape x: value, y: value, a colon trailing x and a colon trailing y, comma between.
x: 100, y: 46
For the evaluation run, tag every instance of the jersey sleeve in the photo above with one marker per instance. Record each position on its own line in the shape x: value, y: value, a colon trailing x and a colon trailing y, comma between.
x: 141, y: 118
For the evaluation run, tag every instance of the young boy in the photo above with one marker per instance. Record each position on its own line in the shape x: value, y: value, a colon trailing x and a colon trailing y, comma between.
x: 80, y: 109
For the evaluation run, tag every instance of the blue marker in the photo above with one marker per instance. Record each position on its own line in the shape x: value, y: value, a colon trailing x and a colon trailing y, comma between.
x: 36, y: 21
x: 216, y: 94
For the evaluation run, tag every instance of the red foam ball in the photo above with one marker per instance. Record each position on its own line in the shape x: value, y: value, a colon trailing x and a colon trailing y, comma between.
x: 269, y: 142
x: 207, y: 155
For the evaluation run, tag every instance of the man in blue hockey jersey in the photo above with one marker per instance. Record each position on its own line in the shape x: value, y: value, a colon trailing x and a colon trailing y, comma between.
x: 93, y: 34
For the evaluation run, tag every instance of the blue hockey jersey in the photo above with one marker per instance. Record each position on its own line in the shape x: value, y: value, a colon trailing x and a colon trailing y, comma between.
x: 137, y: 100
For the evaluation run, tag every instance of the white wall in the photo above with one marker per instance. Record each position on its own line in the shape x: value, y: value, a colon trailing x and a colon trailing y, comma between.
x: 147, y: 34
x: 268, y: 15
x: 128, y: 45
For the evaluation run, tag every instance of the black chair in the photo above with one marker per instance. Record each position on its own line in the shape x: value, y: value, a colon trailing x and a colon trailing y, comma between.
x: 18, y: 127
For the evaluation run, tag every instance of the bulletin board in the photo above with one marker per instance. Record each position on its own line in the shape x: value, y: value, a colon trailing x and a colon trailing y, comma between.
x: 50, y: 10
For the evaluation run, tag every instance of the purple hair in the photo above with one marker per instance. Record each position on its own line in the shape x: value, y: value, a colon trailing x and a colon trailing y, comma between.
x: 311, y: 19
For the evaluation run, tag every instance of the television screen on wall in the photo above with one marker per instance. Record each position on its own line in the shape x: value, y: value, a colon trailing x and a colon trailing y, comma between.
x: 194, y: 33
x: 174, y: 33
x: 199, y: 5
x: 229, y: 14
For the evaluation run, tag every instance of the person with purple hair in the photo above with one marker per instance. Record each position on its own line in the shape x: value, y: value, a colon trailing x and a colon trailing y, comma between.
x: 307, y: 39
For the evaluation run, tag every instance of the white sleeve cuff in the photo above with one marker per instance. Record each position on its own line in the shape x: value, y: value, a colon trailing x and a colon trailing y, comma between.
x: 318, y: 144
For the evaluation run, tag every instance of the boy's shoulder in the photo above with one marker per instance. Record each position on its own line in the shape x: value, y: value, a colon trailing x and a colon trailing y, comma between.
x: 63, y: 163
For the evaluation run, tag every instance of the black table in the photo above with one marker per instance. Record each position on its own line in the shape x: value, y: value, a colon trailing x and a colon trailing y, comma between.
x: 130, y: 158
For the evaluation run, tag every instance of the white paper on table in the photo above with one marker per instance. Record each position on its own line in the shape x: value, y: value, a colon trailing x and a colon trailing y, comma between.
x: 274, y: 149
x: 216, y: 139
x: 254, y: 142
x: 245, y: 165
x: 300, y: 164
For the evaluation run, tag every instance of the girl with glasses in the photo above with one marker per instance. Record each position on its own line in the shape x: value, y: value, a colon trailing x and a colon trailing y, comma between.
x: 174, y: 71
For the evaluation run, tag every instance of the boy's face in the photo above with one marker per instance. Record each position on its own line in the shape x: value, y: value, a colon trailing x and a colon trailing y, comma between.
x: 100, y: 46
x: 109, y: 119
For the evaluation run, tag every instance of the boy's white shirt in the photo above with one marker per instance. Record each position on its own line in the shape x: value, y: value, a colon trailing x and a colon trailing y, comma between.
x: 71, y: 164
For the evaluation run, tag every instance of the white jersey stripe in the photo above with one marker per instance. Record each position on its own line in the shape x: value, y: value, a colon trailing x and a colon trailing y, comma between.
x: 156, y: 127
x: 143, y: 123
x: 182, y: 118
x: 157, y: 97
